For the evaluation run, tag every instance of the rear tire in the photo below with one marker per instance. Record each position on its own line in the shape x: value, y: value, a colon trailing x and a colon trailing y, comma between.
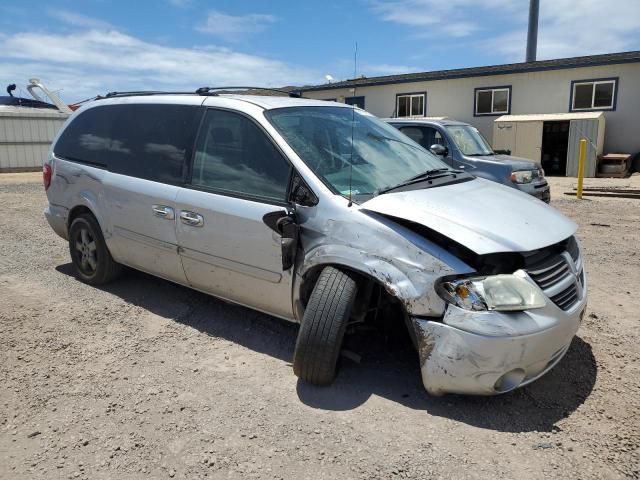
x: 89, y: 253
x: 323, y: 326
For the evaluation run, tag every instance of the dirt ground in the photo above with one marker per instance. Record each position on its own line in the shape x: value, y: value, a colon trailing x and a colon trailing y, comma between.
x: 146, y: 379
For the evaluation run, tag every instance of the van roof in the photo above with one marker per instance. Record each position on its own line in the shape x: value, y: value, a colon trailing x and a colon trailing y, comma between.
x: 266, y: 102
x: 270, y: 102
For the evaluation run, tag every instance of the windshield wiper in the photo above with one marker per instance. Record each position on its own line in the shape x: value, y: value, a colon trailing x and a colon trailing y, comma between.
x: 490, y: 154
x: 428, y: 175
x: 382, y: 137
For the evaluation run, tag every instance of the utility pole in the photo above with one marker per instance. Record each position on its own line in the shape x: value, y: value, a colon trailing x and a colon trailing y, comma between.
x: 532, y: 33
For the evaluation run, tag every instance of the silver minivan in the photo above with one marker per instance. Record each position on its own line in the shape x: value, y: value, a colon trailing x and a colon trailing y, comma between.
x: 319, y: 213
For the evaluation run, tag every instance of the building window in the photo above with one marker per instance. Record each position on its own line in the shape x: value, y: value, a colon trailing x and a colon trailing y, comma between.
x: 493, y: 101
x: 411, y: 105
x: 357, y: 101
x: 599, y: 94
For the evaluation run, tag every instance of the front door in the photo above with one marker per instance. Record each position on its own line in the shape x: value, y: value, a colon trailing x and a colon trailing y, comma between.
x: 238, y: 176
x: 426, y: 137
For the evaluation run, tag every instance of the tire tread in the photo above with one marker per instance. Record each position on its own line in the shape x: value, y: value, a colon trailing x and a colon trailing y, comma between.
x: 323, y: 327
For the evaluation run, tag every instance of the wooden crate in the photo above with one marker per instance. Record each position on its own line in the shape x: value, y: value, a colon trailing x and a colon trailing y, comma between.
x: 622, y: 159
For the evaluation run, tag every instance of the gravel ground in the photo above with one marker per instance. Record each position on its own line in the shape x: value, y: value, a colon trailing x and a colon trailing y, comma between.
x: 144, y: 378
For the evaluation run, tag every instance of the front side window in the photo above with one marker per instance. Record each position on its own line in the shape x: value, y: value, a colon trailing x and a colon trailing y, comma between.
x: 233, y: 155
x: 411, y: 105
x: 593, y: 95
x: 492, y: 101
x: 348, y: 148
x: 424, y: 136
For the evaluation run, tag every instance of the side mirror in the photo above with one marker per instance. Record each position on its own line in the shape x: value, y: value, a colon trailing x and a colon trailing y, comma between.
x: 284, y: 224
x: 439, y: 150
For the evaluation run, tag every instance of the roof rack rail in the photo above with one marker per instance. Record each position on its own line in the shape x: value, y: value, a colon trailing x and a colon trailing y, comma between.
x: 212, y: 90
x: 143, y: 93
x: 200, y: 91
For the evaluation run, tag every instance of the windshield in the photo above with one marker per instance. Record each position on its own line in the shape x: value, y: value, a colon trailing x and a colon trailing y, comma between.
x: 381, y: 155
x: 469, y: 140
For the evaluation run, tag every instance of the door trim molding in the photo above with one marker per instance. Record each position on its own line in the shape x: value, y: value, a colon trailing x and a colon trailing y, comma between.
x: 259, y: 273
x: 138, y: 237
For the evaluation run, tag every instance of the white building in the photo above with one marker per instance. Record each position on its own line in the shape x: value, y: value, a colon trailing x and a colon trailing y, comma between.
x: 609, y: 83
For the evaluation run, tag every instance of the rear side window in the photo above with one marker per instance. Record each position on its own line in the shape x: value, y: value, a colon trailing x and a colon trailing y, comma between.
x: 234, y: 155
x: 153, y: 142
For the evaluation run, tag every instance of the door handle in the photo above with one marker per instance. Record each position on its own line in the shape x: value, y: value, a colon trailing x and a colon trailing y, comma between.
x: 192, y: 219
x: 163, y: 211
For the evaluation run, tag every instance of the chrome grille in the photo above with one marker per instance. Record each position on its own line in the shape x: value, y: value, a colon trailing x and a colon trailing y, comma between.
x: 558, y: 272
x: 550, y: 272
x: 567, y: 298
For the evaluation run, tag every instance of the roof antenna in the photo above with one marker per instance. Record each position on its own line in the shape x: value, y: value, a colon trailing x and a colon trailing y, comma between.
x: 353, y: 121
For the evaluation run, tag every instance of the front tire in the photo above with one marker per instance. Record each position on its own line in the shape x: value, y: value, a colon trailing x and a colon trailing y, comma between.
x: 323, y: 326
x: 89, y: 253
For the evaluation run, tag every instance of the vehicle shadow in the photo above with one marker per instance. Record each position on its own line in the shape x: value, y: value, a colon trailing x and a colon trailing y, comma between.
x: 391, y: 370
x: 388, y: 367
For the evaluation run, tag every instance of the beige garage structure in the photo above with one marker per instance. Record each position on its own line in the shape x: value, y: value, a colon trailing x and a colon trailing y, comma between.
x: 553, y: 140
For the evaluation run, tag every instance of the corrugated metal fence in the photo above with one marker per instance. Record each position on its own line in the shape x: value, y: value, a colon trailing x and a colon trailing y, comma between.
x: 25, y: 137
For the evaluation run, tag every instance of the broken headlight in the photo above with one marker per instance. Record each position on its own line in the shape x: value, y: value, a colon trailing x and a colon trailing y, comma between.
x: 495, y: 292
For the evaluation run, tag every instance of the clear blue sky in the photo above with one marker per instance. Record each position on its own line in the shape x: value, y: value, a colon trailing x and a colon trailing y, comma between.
x: 94, y: 46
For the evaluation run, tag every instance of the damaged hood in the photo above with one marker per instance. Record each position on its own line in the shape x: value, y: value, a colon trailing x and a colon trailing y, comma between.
x: 483, y: 216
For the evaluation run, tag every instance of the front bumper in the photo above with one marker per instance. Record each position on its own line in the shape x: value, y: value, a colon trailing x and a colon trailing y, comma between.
x: 540, y: 190
x: 516, y: 348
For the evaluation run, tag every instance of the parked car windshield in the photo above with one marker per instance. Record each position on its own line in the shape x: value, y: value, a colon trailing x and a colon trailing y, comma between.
x: 381, y: 156
x: 469, y: 140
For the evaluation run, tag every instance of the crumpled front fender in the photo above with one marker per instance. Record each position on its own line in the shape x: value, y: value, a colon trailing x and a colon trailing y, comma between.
x: 406, y: 264
x: 389, y: 272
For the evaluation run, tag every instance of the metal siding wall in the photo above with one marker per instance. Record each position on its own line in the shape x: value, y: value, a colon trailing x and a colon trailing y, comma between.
x: 25, y: 141
x: 534, y: 92
x: 582, y: 129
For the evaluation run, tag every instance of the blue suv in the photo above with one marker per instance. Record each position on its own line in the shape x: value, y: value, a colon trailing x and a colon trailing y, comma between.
x: 463, y: 147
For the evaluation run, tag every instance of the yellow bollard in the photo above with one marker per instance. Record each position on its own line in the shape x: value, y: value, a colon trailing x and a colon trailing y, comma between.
x: 581, y: 160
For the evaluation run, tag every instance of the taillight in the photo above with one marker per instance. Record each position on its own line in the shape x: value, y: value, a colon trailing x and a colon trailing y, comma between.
x: 46, y: 175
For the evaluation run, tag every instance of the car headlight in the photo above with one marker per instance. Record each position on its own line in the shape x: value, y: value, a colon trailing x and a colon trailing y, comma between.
x: 495, y: 292
x: 523, y: 176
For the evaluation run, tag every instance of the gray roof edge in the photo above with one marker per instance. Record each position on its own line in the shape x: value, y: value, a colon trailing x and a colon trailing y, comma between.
x: 503, y: 69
